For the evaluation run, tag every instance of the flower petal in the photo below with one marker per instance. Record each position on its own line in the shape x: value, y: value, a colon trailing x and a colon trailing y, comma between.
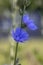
x: 30, y: 21
x: 25, y: 18
x: 32, y: 26
x: 20, y: 35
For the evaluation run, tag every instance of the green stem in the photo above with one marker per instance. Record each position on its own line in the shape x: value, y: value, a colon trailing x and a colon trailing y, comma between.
x: 22, y: 15
x: 16, y: 53
x: 17, y: 45
x: 16, y: 48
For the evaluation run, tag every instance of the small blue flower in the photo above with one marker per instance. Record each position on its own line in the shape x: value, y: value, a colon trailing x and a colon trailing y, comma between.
x: 20, y: 35
x: 30, y: 23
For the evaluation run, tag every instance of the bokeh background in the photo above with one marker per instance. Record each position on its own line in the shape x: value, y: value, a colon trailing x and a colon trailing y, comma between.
x: 30, y: 52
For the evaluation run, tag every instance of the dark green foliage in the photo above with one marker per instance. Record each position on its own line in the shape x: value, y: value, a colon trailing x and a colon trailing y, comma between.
x: 23, y: 26
x: 22, y: 3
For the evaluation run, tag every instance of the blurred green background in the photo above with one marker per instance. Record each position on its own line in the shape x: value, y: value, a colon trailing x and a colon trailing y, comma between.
x: 30, y: 52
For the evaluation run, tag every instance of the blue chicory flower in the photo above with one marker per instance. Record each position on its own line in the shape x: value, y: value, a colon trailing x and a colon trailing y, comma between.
x: 30, y: 23
x: 20, y: 35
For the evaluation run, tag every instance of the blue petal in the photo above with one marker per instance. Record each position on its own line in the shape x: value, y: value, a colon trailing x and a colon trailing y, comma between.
x: 25, y: 18
x: 17, y: 31
x: 24, y: 36
x: 32, y: 26
x: 20, y: 35
x: 30, y: 21
x: 17, y: 39
x: 15, y: 36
